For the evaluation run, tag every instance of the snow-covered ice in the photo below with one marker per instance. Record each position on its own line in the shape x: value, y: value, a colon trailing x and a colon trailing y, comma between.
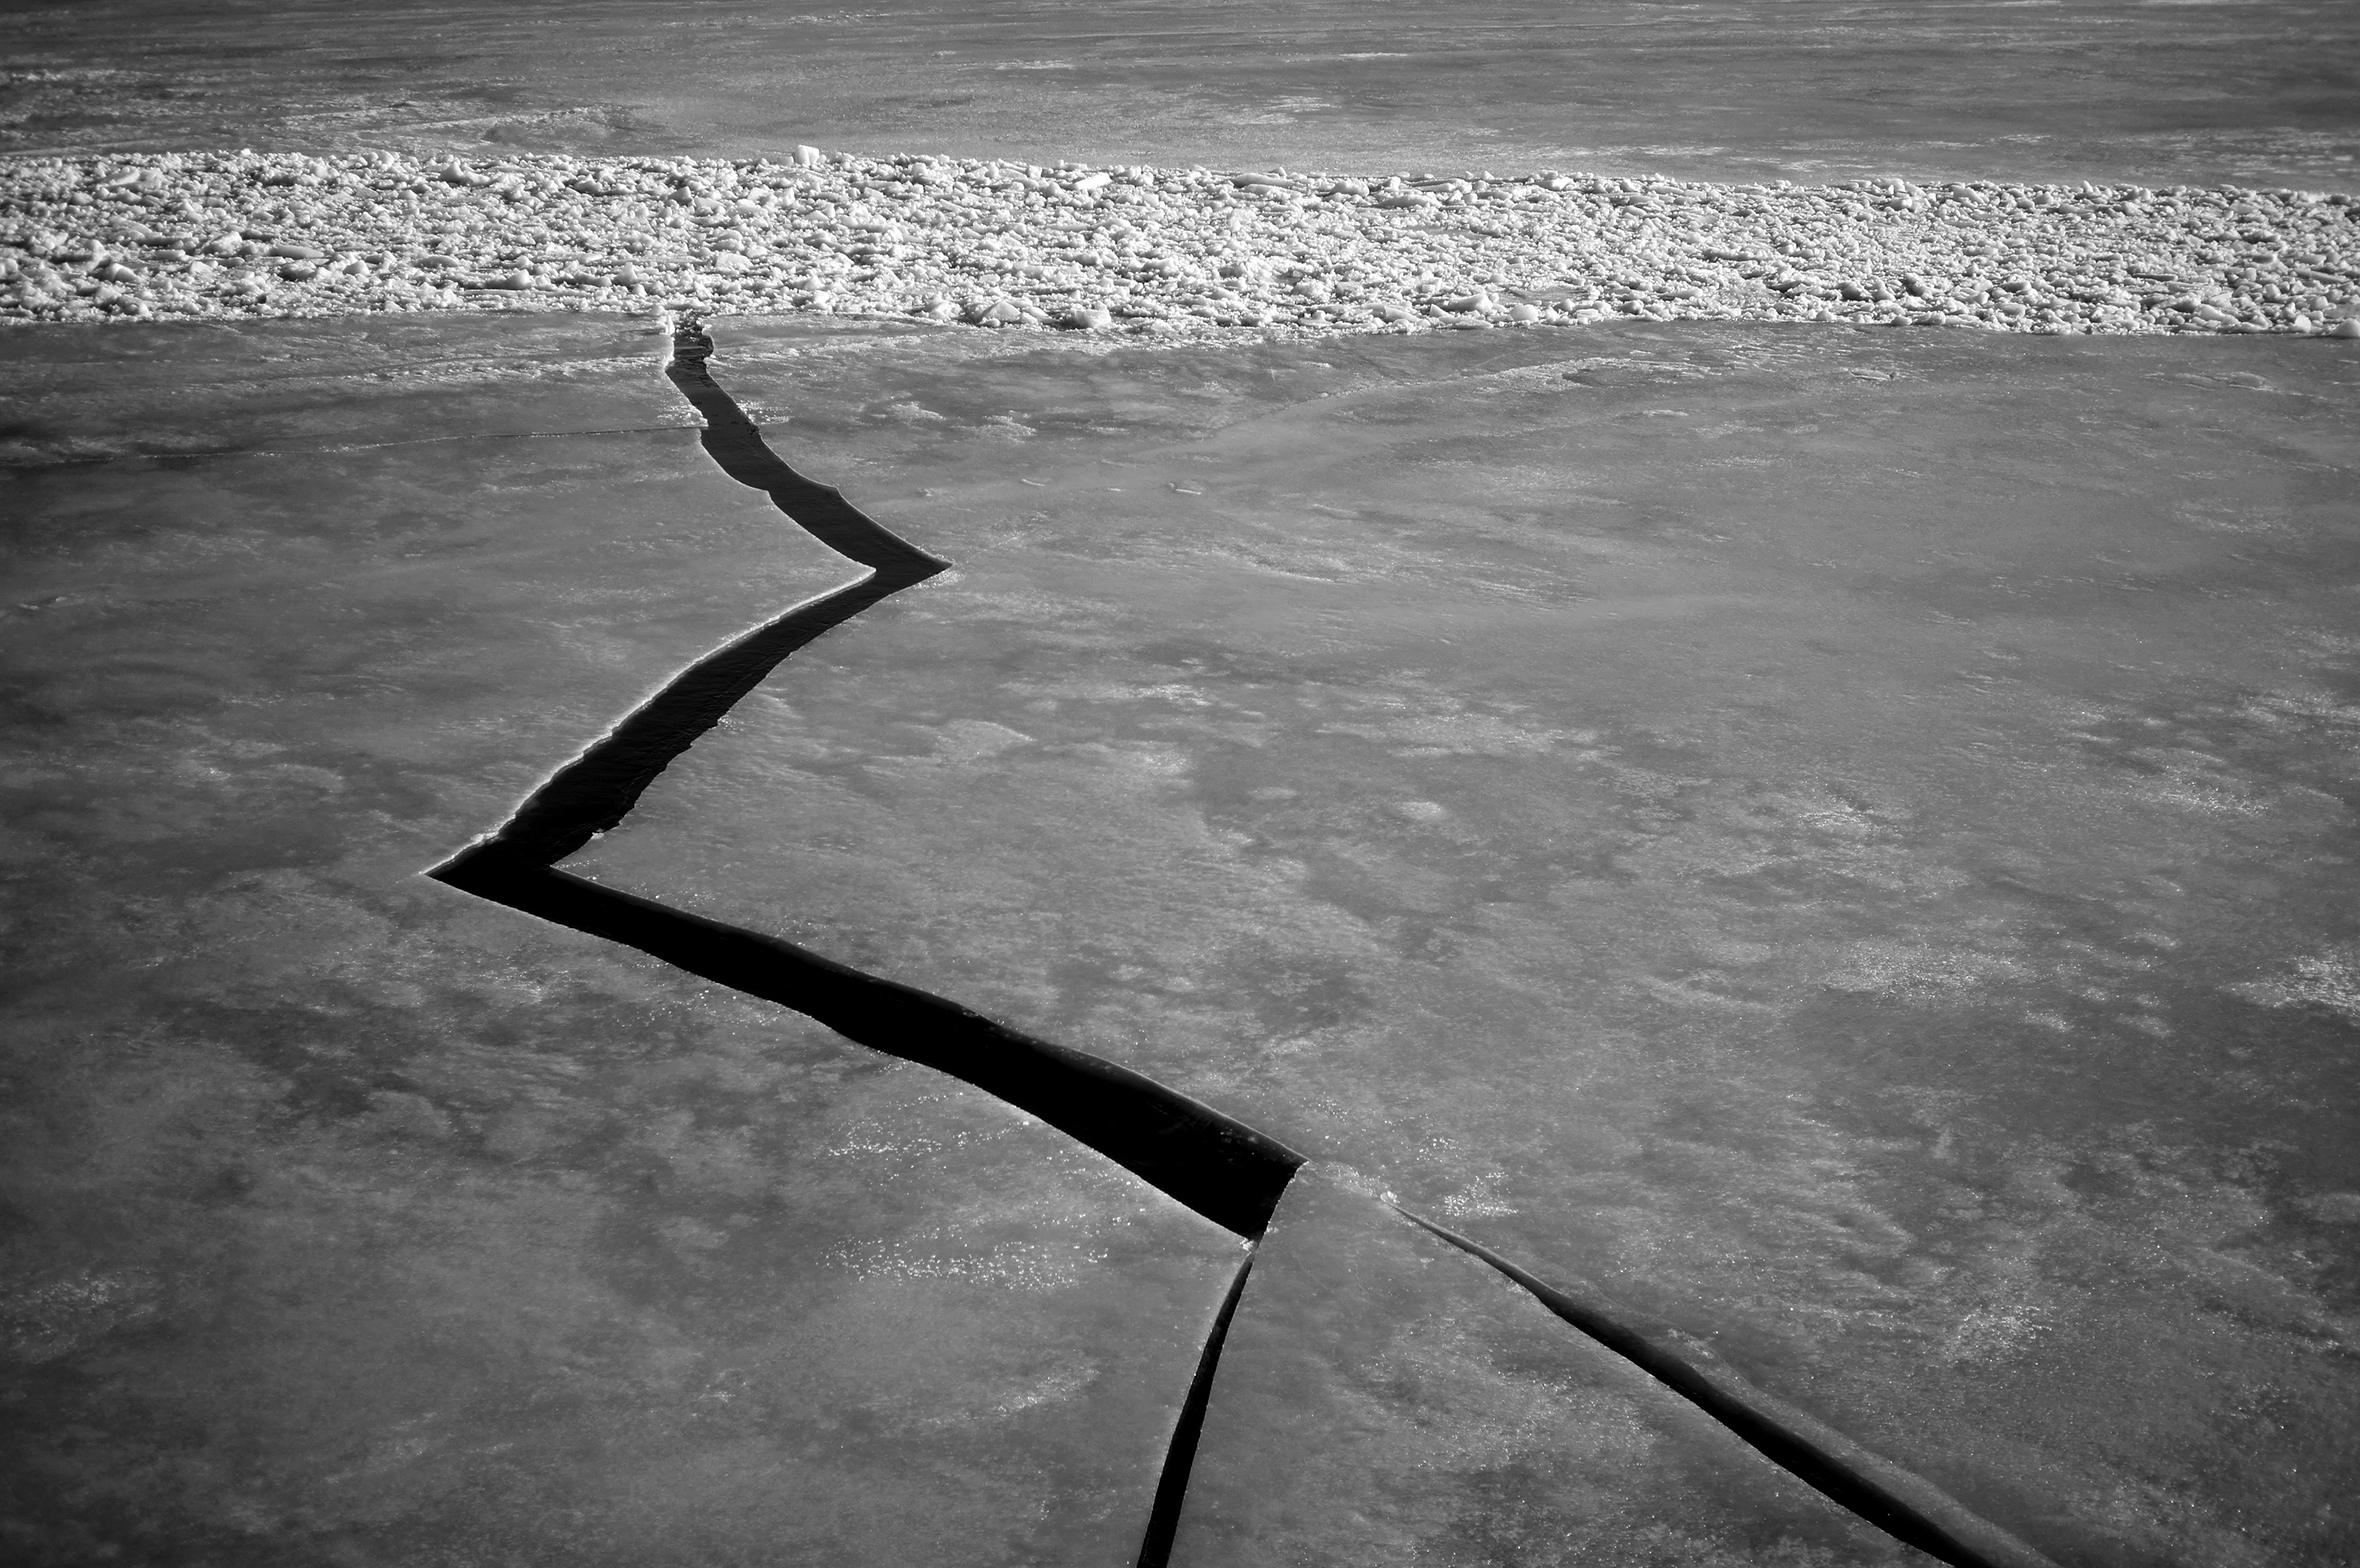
x: 1150, y: 250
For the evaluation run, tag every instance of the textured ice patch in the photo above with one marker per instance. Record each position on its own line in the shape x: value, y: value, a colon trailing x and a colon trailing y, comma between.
x: 972, y: 740
x: 44, y: 1322
x: 1911, y: 972
x: 2330, y: 980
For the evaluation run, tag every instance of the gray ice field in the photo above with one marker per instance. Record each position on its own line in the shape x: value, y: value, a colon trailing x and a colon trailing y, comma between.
x: 1826, y: 850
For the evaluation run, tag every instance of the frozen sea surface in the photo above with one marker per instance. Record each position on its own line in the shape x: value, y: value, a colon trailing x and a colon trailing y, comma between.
x: 1837, y: 835
x: 2160, y: 92
x: 1840, y: 837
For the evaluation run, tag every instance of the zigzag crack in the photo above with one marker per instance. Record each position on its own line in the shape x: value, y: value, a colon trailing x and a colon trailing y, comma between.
x: 1223, y: 1169
x: 1899, y: 1502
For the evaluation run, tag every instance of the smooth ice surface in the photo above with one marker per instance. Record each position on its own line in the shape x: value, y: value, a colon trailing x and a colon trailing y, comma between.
x: 2261, y: 92
x: 353, y: 1220
x: 285, y: 388
x: 1841, y: 837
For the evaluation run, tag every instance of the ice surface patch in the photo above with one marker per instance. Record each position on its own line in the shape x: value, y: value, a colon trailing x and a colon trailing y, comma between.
x: 972, y: 740
x: 2330, y: 980
x: 1910, y: 972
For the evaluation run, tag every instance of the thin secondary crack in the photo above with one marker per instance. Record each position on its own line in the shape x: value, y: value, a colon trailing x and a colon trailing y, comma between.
x: 1897, y: 1501
x: 1171, y: 1488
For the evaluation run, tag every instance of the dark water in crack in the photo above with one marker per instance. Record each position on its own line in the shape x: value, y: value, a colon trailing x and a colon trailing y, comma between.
x: 2262, y: 93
